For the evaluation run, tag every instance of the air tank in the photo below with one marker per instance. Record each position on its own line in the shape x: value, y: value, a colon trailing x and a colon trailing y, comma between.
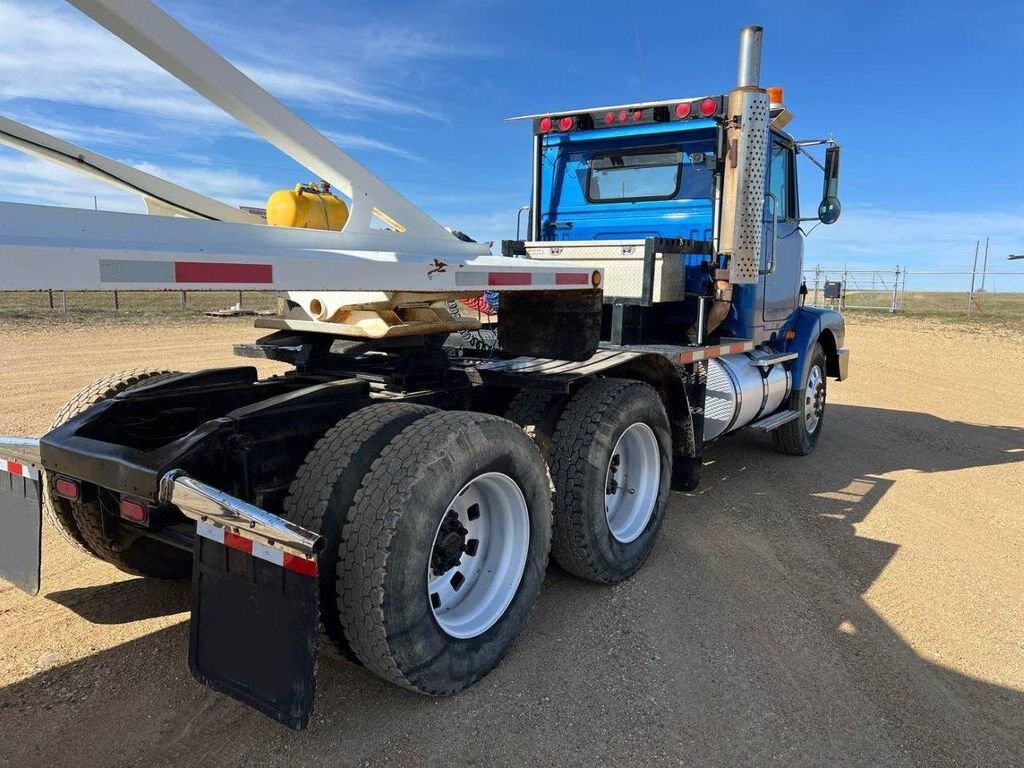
x: 308, y: 206
x: 739, y: 392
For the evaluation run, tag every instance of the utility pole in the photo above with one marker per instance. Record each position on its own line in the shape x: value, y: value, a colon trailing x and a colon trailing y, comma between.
x: 974, y: 271
x: 984, y: 268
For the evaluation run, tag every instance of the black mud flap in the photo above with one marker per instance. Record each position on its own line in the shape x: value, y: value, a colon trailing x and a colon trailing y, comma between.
x: 21, y: 523
x: 255, y: 626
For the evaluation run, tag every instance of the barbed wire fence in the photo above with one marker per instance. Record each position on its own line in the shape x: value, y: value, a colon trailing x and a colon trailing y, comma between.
x: 60, y: 302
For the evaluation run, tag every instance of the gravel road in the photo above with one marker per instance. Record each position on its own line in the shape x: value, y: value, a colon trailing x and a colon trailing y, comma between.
x: 862, y: 606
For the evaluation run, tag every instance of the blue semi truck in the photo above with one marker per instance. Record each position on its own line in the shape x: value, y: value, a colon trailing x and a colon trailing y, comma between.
x: 396, y: 499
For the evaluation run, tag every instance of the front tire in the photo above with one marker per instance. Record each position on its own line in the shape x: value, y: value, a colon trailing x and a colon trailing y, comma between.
x: 444, y: 551
x: 611, y: 464
x: 799, y: 437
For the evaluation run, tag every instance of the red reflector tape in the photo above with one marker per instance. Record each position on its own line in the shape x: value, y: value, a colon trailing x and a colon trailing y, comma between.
x: 16, y: 468
x: 509, y: 278
x: 235, y: 541
x: 295, y: 563
x: 572, y: 278
x: 202, y: 272
x: 300, y: 565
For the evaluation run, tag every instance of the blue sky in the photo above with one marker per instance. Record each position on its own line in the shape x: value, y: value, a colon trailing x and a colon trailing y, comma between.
x: 926, y: 98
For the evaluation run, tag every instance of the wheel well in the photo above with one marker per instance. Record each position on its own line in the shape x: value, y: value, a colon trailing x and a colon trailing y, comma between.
x: 828, y: 345
x: 666, y: 380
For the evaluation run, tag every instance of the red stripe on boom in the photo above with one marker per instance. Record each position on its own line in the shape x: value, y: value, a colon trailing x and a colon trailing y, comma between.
x: 572, y: 278
x: 14, y: 468
x: 509, y: 278
x: 235, y: 541
x: 204, y: 272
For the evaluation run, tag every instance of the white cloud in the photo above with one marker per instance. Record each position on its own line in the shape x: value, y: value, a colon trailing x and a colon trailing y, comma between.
x: 31, y: 180
x: 869, y: 236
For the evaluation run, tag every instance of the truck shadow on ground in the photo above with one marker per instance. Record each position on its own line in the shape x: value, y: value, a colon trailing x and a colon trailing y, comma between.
x: 745, y: 640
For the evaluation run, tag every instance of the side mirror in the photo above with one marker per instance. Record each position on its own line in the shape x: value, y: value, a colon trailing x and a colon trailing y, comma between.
x: 829, y: 210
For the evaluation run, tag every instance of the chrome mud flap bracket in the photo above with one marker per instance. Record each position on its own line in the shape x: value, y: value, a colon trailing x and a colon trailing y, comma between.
x: 21, y: 514
x: 255, y: 621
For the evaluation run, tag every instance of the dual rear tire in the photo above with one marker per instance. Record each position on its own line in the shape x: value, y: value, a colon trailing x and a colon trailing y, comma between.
x: 438, y: 528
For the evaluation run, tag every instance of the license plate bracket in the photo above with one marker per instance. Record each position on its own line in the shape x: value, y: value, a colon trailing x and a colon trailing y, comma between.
x: 21, y: 526
x: 255, y: 626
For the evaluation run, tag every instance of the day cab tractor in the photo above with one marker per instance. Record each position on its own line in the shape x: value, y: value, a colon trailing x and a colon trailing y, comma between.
x: 396, y: 493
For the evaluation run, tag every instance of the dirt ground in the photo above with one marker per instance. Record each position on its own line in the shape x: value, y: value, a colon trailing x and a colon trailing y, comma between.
x: 862, y: 606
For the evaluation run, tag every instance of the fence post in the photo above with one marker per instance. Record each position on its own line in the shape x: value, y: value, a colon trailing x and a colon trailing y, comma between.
x: 817, y: 279
x: 974, y: 270
x: 117, y: 303
x: 239, y: 299
x: 64, y: 302
x: 184, y: 300
x: 842, y: 293
x: 50, y: 292
x: 895, y: 288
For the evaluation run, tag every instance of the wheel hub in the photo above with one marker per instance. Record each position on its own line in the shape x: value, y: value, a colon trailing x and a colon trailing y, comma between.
x: 632, y: 482
x: 449, y: 545
x: 478, y: 555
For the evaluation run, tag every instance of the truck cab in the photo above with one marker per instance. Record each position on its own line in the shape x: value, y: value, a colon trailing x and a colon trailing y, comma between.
x: 628, y: 174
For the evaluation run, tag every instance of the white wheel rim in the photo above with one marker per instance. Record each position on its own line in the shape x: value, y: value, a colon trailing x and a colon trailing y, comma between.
x: 632, y: 482
x: 814, y: 399
x: 470, y: 585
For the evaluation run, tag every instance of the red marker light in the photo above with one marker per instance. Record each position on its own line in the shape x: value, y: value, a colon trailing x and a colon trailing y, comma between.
x: 545, y: 124
x: 683, y: 110
x: 565, y: 123
x: 134, y: 510
x: 67, y: 489
x: 623, y: 116
x: 638, y: 116
x: 609, y: 118
x: 708, y: 107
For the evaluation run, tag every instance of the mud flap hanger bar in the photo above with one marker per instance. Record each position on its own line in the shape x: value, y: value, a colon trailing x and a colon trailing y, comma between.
x: 206, y: 504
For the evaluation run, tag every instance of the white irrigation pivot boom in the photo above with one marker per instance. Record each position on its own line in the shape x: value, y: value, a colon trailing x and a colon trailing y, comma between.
x: 161, y: 196
x: 43, y: 247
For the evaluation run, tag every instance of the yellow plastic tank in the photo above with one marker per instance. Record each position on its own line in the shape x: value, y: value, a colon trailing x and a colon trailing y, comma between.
x: 308, y: 206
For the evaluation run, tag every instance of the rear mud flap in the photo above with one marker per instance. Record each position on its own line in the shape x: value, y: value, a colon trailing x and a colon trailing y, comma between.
x: 21, y: 522
x: 255, y: 624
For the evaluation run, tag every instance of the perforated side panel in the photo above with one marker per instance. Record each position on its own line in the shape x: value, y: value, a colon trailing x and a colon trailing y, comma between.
x: 743, y: 216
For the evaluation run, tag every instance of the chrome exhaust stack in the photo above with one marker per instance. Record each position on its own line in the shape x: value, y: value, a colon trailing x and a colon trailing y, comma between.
x: 746, y: 141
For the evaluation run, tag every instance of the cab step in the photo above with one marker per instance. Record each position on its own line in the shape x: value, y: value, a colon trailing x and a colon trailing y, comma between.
x: 766, y: 358
x: 776, y: 420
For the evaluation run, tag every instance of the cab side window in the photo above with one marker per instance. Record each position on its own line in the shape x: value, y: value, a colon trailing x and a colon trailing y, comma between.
x: 779, y: 183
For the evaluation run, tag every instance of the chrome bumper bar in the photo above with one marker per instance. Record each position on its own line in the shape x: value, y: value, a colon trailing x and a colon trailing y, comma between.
x: 206, y: 504
x: 24, y: 450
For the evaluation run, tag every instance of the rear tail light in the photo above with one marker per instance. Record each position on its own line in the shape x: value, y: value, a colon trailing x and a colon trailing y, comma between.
x: 638, y: 116
x: 545, y: 124
x: 708, y: 107
x: 133, y: 510
x: 609, y: 118
x: 67, y: 488
x: 623, y: 116
x: 565, y: 123
x: 683, y: 110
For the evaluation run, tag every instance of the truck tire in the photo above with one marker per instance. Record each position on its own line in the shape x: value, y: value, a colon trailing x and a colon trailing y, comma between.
x: 82, y: 522
x: 800, y: 436
x: 321, y: 495
x: 536, y: 410
x: 611, y: 464
x: 444, y: 551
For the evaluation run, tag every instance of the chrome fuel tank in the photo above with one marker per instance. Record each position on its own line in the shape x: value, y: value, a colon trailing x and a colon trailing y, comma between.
x: 738, y: 392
